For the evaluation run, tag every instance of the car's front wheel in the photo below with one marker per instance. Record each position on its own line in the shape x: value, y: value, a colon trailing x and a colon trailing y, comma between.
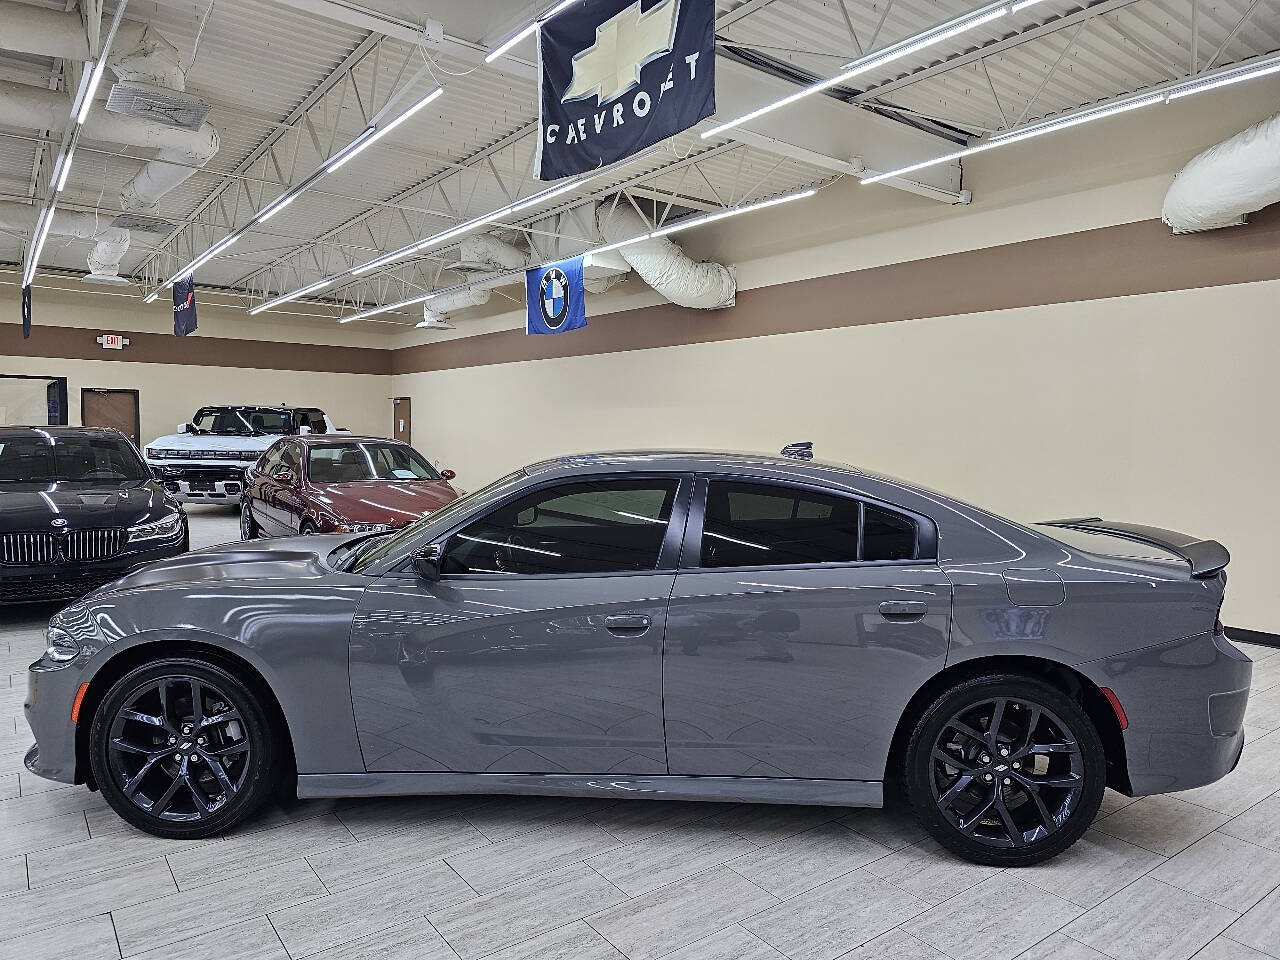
x: 180, y: 748
x: 1005, y: 770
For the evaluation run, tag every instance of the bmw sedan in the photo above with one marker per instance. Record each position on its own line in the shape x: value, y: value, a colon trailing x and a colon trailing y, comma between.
x: 672, y: 625
x: 78, y: 508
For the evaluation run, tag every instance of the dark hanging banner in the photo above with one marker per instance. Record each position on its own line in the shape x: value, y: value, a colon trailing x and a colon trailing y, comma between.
x: 620, y: 75
x: 184, y: 306
x: 26, y: 312
x: 554, y: 298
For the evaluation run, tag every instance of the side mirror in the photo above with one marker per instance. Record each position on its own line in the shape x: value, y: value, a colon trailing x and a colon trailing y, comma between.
x: 283, y: 476
x: 303, y: 430
x: 428, y: 560
x: 184, y: 427
x: 447, y: 475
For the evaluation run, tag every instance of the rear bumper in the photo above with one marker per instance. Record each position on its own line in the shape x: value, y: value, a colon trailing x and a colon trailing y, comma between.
x: 1185, y: 702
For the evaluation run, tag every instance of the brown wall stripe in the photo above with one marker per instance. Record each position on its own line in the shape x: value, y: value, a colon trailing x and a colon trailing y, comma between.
x: 1117, y: 261
x: 75, y: 343
x: 1125, y: 260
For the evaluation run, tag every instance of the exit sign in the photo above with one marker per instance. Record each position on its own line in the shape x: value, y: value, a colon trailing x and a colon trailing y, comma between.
x: 113, y: 341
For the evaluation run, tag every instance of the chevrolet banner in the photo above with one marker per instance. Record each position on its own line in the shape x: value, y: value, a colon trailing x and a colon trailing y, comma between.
x: 619, y: 76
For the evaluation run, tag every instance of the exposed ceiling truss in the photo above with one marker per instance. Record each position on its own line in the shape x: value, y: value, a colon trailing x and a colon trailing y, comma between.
x: 477, y: 154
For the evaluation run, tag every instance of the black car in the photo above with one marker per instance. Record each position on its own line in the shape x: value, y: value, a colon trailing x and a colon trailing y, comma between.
x: 78, y: 509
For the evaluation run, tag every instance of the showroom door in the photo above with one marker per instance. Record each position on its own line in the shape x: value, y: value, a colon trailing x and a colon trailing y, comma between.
x: 402, y: 419
x: 538, y: 649
x: 118, y: 409
x: 800, y: 629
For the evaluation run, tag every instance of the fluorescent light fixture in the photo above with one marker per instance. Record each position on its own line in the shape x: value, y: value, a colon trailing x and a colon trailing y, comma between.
x: 1021, y: 5
x: 542, y: 196
x: 731, y: 212
x: 1260, y: 69
x: 370, y: 135
x: 275, y: 206
x: 871, y: 61
x: 285, y: 298
x: 37, y: 245
x: 94, y: 79
x: 64, y: 168
x: 525, y: 31
x: 205, y: 257
x: 621, y: 243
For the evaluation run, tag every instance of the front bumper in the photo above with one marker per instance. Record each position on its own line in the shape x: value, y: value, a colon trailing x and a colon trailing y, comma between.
x: 69, y: 581
x: 201, y: 483
x: 50, y: 694
x: 1185, y: 702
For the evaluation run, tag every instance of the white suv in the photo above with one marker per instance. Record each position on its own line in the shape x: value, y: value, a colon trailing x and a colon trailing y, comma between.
x: 204, y: 462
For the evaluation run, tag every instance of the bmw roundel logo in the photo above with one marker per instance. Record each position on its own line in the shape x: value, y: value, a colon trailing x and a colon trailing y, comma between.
x: 554, y: 298
x: 59, y: 521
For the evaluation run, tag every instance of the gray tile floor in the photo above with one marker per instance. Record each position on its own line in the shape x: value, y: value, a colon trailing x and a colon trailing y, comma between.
x: 1196, y: 874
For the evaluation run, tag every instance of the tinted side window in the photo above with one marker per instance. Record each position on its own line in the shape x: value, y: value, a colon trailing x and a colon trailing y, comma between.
x: 270, y: 460
x: 887, y: 535
x: 289, y: 458
x: 599, y: 527
x: 747, y: 524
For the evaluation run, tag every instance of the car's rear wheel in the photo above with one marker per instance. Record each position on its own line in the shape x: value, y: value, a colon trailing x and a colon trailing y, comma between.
x: 1005, y: 770
x: 181, y: 748
x: 249, y: 529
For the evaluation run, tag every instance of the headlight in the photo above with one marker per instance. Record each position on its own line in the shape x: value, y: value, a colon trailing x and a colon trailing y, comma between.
x: 61, y: 647
x: 156, y: 530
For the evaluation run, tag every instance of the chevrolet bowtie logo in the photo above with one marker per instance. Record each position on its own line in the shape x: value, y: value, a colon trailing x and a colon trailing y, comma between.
x: 624, y: 44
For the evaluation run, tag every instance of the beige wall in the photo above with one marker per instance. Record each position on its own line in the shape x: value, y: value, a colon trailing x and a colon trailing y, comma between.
x: 170, y: 393
x: 1155, y: 409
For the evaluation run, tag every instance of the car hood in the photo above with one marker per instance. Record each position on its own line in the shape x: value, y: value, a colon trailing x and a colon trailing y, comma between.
x: 213, y: 441
x: 35, y: 506
x: 383, y: 501
x: 292, y: 558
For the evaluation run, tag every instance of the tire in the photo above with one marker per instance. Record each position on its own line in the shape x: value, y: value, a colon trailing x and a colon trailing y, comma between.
x: 198, y: 800
x: 1007, y: 809
x: 249, y: 529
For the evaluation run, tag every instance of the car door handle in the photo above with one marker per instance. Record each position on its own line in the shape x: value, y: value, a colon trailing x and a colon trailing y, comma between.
x: 903, y: 609
x: 627, y: 621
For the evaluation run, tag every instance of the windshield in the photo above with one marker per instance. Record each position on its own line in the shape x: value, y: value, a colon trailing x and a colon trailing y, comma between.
x: 368, y: 552
x: 241, y: 421
x: 352, y: 462
x: 53, y: 457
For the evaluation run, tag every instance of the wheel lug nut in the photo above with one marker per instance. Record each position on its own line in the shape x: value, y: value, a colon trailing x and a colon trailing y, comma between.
x: 988, y: 777
x: 1004, y: 751
x: 985, y: 758
x: 1007, y: 781
x: 1017, y: 765
x: 172, y: 741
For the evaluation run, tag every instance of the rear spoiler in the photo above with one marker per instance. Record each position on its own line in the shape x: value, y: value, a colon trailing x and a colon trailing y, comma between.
x: 1206, y: 557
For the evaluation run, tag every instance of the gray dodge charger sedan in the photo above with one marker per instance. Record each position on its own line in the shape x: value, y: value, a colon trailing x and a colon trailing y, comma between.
x: 675, y: 625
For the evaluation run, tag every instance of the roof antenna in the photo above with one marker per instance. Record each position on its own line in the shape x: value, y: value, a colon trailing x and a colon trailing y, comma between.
x: 799, y: 451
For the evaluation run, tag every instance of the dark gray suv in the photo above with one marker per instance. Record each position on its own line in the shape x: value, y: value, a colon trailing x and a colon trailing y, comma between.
x: 697, y: 626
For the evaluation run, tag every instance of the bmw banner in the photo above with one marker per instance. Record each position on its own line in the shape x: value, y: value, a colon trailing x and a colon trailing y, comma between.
x: 184, y: 306
x: 554, y: 297
x: 619, y: 76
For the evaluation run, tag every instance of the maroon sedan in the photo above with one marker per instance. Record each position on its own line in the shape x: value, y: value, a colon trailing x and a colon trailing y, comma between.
x: 339, y: 484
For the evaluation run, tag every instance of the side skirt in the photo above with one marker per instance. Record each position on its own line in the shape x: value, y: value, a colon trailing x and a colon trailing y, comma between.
x: 841, y: 793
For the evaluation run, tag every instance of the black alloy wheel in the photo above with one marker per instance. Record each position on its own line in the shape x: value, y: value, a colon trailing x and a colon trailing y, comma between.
x: 180, y: 748
x: 1005, y: 770
x: 248, y: 526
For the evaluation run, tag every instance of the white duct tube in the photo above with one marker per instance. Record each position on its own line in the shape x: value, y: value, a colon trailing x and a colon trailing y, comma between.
x: 1224, y: 183
x: 47, y: 33
x: 111, y: 242
x: 446, y: 303
x: 663, y: 265
x: 489, y: 251
x: 138, y: 53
